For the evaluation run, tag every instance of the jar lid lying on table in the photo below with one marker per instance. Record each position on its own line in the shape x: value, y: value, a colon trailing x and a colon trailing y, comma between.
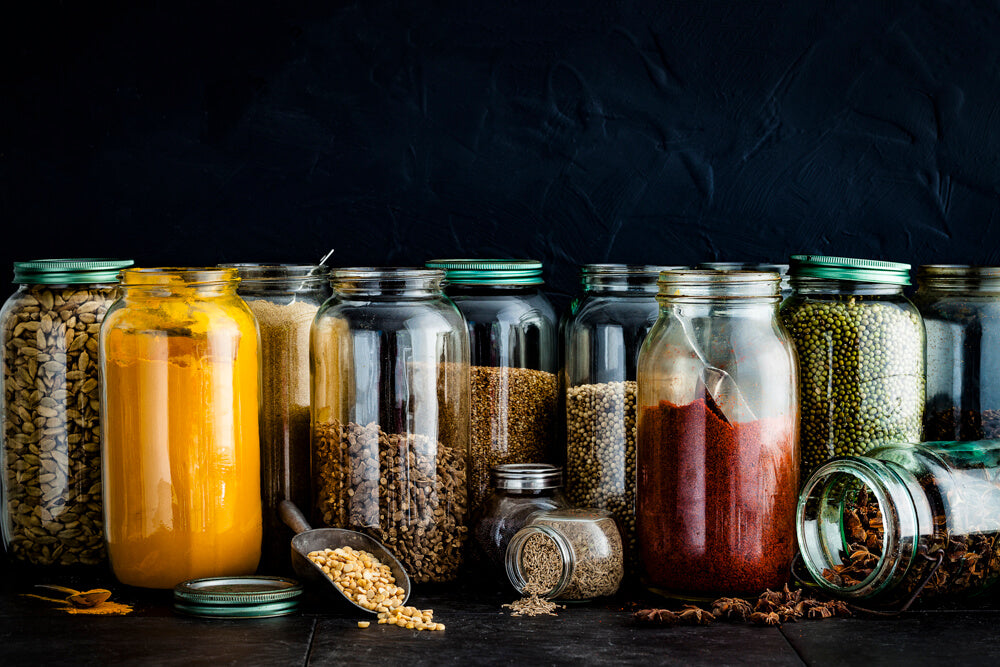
x: 237, y: 597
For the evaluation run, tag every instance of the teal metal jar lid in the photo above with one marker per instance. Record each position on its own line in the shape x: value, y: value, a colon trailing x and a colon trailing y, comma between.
x: 237, y: 597
x: 490, y: 271
x: 70, y: 271
x: 846, y: 268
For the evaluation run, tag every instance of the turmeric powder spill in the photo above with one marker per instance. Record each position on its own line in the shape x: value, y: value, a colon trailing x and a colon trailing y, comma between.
x: 181, y: 449
x: 106, y: 608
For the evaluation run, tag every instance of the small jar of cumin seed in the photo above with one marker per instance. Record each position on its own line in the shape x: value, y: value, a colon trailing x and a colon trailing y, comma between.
x: 51, y: 436
x: 572, y: 554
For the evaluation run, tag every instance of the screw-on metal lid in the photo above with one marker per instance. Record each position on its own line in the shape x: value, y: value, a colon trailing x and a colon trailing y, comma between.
x: 71, y: 271
x: 490, y: 271
x: 237, y: 597
x: 845, y: 268
x: 526, y: 476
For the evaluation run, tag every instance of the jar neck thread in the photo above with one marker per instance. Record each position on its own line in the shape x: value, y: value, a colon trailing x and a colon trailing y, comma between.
x: 810, y: 286
x: 396, y: 282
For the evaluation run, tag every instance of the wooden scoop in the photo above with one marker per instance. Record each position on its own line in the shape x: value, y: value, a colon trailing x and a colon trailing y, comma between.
x: 85, y: 599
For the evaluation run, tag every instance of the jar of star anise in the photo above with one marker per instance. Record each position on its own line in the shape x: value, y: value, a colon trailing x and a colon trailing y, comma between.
x: 904, y: 520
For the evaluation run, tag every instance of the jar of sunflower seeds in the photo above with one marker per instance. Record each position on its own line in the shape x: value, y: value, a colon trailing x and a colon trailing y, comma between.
x: 51, y: 436
x: 860, y: 346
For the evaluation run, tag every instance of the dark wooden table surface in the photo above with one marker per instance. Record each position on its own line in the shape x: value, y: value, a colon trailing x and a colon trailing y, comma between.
x: 478, y: 631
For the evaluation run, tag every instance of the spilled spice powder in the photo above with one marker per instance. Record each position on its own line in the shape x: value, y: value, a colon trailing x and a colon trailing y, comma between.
x: 106, y: 608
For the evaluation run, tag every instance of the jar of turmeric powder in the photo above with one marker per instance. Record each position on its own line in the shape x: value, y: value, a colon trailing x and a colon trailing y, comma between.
x: 181, y: 453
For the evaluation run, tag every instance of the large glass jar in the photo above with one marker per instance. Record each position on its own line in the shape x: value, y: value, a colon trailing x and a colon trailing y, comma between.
x: 960, y: 306
x: 390, y: 415
x: 519, y: 490
x: 51, y: 436
x: 902, y: 520
x: 860, y: 347
x: 284, y: 299
x: 602, y: 333
x: 718, y: 472
x: 514, y: 356
x: 180, y: 362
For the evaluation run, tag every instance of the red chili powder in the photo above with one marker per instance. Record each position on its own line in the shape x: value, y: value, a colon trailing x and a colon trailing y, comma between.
x: 715, y: 501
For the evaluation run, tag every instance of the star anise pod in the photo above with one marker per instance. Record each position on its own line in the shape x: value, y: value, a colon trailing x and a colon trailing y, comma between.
x: 732, y: 608
x: 765, y: 618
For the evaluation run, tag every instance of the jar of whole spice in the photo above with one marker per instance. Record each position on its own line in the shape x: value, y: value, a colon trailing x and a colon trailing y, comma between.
x: 284, y: 299
x: 512, y: 329
x: 960, y: 306
x: 180, y: 363
x: 602, y: 333
x: 567, y: 554
x: 519, y: 490
x: 860, y: 346
x: 390, y: 415
x: 717, y: 438
x: 904, y: 520
x: 51, y: 432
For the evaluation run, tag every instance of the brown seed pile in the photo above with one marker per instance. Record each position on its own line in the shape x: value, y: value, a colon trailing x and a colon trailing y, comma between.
x: 361, y: 576
x: 597, y: 550
x: 513, y: 417
x: 533, y: 604
x: 600, y: 453
x: 407, y: 491
x: 51, y: 424
x: 369, y: 583
x: 771, y: 608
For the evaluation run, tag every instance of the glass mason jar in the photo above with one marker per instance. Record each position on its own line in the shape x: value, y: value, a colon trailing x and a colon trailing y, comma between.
x: 960, y: 306
x: 860, y: 347
x: 519, y: 490
x: 781, y: 269
x: 514, y: 356
x: 390, y: 415
x: 602, y: 333
x: 902, y: 520
x: 284, y: 299
x: 567, y: 554
x: 180, y: 362
x: 51, y: 436
x: 718, y: 467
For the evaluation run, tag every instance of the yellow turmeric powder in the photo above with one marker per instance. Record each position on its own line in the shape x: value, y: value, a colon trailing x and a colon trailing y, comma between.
x: 106, y: 608
x: 181, y: 452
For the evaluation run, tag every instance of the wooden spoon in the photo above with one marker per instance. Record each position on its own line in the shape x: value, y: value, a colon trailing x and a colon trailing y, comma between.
x: 90, y: 598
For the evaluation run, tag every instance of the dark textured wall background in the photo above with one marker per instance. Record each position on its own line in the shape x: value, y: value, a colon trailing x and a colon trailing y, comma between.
x: 569, y: 130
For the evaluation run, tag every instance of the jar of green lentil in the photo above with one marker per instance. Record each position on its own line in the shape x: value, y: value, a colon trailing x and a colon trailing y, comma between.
x: 860, y: 346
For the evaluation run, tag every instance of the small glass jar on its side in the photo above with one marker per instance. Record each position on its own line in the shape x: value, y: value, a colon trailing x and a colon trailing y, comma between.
x: 50, y: 444
x: 519, y: 490
x: 860, y: 348
x: 567, y: 554
x: 874, y: 528
x: 960, y: 306
x: 284, y: 299
x: 512, y: 331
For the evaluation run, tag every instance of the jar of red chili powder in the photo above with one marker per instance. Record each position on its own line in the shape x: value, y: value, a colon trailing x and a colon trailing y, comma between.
x: 717, y: 449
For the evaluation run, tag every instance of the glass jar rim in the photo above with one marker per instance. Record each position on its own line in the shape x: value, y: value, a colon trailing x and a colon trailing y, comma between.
x: 708, y: 285
x: 162, y: 276
x: 268, y: 272
x: 385, y: 272
x: 515, y: 549
x: 652, y: 270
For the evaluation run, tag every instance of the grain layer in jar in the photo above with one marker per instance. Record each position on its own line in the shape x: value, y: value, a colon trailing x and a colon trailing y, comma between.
x: 570, y: 554
x: 512, y: 331
x: 602, y: 333
x: 860, y: 347
x: 390, y: 416
x: 52, y: 497
x: 960, y: 306
x: 284, y: 299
